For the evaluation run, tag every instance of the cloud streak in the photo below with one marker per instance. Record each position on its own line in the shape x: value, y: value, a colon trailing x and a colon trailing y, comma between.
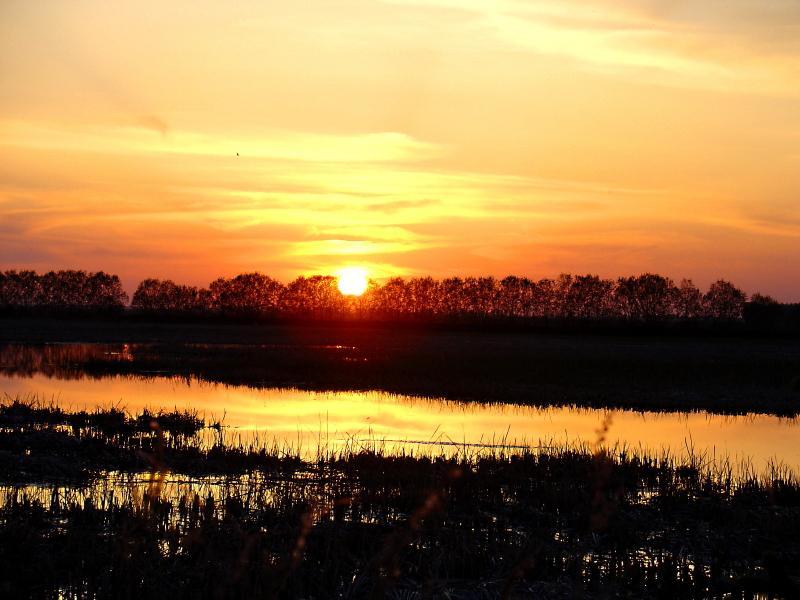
x: 717, y: 45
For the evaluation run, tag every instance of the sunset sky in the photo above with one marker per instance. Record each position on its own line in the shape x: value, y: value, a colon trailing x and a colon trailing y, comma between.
x: 406, y: 137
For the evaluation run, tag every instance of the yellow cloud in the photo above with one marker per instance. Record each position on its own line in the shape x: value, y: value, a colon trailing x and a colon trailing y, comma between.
x: 334, y: 247
x: 619, y: 34
x: 296, y: 146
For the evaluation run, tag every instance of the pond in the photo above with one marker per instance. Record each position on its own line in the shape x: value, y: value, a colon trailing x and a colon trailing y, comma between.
x: 307, y: 420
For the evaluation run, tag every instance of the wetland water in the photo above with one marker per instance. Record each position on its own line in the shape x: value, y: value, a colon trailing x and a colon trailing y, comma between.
x: 302, y: 420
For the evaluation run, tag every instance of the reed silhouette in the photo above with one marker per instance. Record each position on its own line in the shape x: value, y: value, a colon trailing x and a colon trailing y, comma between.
x: 108, y: 504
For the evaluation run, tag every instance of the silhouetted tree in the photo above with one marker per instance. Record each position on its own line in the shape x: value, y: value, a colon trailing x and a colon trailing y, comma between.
x: 453, y: 302
x: 763, y: 299
x: 249, y: 294
x: 61, y: 291
x: 424, y: 296
x: 317, y: 296
x: 165, y: 296
x: 480, y: 296
x: 586, y: 297
x: 515, y: 297
x: 548, y: 298
x: 390, y: 299
x: 724, y: 301
x: 20, y: 289
x: 645, y: 297
x: 106, y: 292
x: 688, y: 302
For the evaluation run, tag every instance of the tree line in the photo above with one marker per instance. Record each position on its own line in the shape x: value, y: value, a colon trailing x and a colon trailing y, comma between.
x: 645, y: 297
x: 61, y: 291
x: 640, y: 298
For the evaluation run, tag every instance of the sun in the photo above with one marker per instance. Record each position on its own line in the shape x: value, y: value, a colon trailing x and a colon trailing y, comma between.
x: 352, y: 281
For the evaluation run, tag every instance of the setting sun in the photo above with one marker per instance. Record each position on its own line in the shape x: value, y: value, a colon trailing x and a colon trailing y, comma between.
x: 320, y: 258
x: 352, y: 281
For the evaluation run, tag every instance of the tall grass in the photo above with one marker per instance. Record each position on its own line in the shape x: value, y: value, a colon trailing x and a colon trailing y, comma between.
x: 103, y: 505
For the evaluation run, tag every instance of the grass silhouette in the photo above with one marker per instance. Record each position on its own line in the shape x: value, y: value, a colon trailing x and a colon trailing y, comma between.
x: 102, y: 505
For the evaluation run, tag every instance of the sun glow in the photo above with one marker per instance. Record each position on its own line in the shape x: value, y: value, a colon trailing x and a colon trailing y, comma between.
x: 352, y: 281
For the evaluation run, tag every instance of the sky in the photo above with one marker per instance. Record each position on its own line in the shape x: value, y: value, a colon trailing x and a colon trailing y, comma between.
x: 190, y: 140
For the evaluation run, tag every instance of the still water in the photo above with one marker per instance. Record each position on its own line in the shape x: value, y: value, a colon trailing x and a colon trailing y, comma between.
x: 303, y: 419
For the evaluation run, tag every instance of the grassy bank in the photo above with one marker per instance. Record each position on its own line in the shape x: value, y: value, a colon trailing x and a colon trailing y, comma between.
x: 219, y: 520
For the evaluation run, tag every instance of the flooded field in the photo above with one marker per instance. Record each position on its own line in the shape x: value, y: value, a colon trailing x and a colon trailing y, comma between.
x: 191, y: 464
x: 304, y: 420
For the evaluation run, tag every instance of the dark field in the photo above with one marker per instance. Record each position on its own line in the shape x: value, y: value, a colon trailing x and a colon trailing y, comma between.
x: 723, y: 373
x: 215, y: 520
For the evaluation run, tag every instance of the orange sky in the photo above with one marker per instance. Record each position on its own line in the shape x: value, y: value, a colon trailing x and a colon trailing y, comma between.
x: 406, y: 136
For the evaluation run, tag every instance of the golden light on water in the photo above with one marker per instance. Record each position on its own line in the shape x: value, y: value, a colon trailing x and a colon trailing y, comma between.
x: 352, y: 281
x: 303, y: 419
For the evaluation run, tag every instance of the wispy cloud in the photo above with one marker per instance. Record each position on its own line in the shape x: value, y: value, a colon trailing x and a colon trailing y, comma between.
x: 744, y: 45
x: 296, y: 146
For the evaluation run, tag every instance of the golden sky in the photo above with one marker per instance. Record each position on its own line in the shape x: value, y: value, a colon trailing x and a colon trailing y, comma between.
x: 405, y: 136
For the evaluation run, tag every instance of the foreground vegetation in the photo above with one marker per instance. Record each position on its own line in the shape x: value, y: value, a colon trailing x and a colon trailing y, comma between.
x: 212, y: 519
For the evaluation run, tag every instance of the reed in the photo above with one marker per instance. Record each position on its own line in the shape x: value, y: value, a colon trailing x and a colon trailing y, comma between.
x: 161, y: 512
